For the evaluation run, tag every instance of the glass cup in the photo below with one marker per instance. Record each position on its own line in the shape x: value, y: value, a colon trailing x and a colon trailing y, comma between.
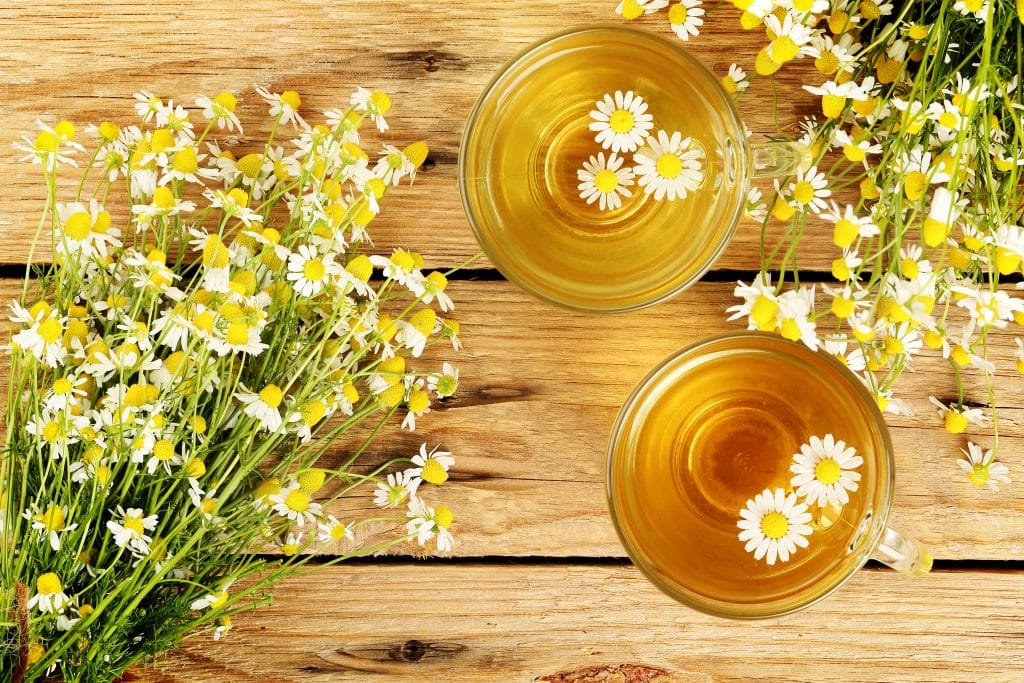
x: 715, y: 425
x: 530, y: 135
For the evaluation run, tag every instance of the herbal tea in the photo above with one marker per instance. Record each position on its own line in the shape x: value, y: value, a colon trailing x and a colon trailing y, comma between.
x: 600, y: 169
x: 712, y: 444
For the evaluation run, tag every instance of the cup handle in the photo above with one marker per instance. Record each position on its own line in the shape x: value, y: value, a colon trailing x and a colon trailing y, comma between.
x: 777, y: 159
x: 903, y: 554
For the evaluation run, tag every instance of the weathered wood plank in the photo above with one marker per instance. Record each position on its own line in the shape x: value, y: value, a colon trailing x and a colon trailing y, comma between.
x: 541, y: 388
x: 66, y: 60
x: 522, y: 623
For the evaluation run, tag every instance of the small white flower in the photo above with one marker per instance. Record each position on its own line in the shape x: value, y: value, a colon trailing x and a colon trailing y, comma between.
x: 669, y: 166
x: 333, y: 530
x: 446, y: 383
x: 773, y: 525
x: 49, y: 597
x: 131, y: 529
x: 621, y: 121
x: 220, y: 109
x: 283, y: 106
x: 213, y: 600
x: 399, y: 487
x: 264, y: 406
x: 431, y: 467
x: 686, y: 17
x: 426, y: 523
x: 809, y: 190
x: 823, y: 471
x: 604, y: 183
x: 295, y: 504
x: 982, y: 468
x: 373, y: 104
x: 309, y: 272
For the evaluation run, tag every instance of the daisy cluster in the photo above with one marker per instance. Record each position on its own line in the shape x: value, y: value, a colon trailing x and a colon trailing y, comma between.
x: 214, y: 320
x: 666, y: 166
x: 776, y: 522
x: 919, y: 162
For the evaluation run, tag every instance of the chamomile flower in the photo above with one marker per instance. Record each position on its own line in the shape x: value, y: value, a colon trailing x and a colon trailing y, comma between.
x: 809, y: 190
x: 431, y: 467
x: 848, y: 226
x: 399, y: 487
x: 426, y: 523
x: 686, y: 17
x: 214, y: 600
x: 308, y: 271
x: 796, y: 307
x: 631, y: 9
x: 855, y: 150
x: 373, y: 104
x: 295, y: 504
x: 956, y: 416
x: 604, y: 182
x: 755, y: 208
x: 773, y: 525
x: 49, y: 597
x: 979, y: 9
x: 129, y: 529
x: 221, y: 110
x: 162, y: 203
x: 621, y: 121
x: 263, y: 406
x: 284, y: 106
x: 332, y: 530
x: 52, y: 146
x: 760, y: 303
x: 669, y: 166
x: 445, y: 383
x: 51, y: 523
x: 987, y: 308
x: 824, y: 471
x: 735, y: 81
x: 982, y: 468
x: 44, y: 340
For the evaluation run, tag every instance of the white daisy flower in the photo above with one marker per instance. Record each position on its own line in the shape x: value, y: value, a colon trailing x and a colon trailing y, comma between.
x: 760, y: 304
x: 49, y: 597
x: 374, y: 104
x: 445, y: 383
x: 333, y: 530
x: 754, y: 208
x: 283, y: 106
x: 957, y: 416
x: 431, y: 467
x: 621, y: 121
x: 309, y: 272
x: 221, y: 109
x: 982, y: 468
x: 44, y: 340
x: 631, y: 9
x: 264, y: 406
x: 295, y: 504
x: 427, y: 523
x: 823, y: 471
x: 686, y: 17
x: 131, y: 529
x: 988, y: 309
x: 213, y: 600
x: 605, y: 183
x: 51, y: 523
x: 669, y: 166
x: 399, y: 487
x: 147, y: 105
x: 773, y: 525
x: 809, y: 190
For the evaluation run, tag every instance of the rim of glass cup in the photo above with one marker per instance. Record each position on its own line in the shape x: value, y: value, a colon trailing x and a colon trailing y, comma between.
x: 486, y: 243
x: 867, y: 544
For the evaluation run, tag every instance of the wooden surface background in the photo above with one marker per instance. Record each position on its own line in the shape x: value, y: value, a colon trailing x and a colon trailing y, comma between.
x: 538, y: 587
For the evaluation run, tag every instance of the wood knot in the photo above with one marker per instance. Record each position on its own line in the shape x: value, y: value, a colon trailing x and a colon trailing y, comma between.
x: 432, y: 60
x: 413, y: 651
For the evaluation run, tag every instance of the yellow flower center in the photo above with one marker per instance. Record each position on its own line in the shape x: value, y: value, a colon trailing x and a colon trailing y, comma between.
x: 893, y: 346
x: 832, y: 105
x: 215, y: 253
x: 955, y: 422
x: 360, y: 268
x: 1006, y: 260
x: 291, y: 98
x: 297, y: 500
x: 790, y: 329
x: 842, y: 307
x: 803, y: 192
x: 238, y: 333
x: 381, y: 101
x: 249, y: 165
x: 783, y: 49
x: 51, y: 431
x: 133, y: 523
x: 314, y: 270
x: 424, y: 320
x: 62, y: 386
x: 869, y: 9
x: 774, y: 525
x: 677, y: 14
x: 960, y: 356
x: 827, y: 64
x: 52, y: 519
x: 403, y: 260
x: 914, y: 185
x: 631, y: 9
x: 669, y: 166
x: 918, y: 31
x: 77, y: 226
x: 606, y: 181
x: 267, y: 487
x: 763, y: 311
x: 419, y: 401
x: 443, y: 516
x: 621, y: 121
x: 433, y: 472
x: 219, y: 600
x: 195, y: 468
x: 226, y: 101
x: 844, y: 233
x: 163, y: 198
x: 48, y: 584
x: 163, y: 450
x: 338, y: 532
x: 271, y: 395
x: 973, y: 5
x: 185, y: 161
x: 978, y: 475
x: 854, y: 153
x: 312, y: 480
x: 50, y: 330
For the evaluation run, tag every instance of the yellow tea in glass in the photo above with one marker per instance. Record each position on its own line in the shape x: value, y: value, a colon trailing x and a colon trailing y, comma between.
x: 533, y: 130
x: 716, y: 425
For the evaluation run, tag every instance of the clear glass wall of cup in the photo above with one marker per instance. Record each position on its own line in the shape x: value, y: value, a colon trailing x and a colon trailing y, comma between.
x: 681, y: 467
x: 529, y: 135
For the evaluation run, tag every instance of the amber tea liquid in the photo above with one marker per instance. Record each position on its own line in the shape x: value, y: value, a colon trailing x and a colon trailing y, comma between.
x: 529, y: 135
x: 718, y: 428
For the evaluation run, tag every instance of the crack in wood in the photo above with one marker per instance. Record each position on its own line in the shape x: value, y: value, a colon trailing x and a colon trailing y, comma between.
x: 609, y: 673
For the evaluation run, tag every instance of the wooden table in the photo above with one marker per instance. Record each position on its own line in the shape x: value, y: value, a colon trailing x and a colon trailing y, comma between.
x: 538, y: 586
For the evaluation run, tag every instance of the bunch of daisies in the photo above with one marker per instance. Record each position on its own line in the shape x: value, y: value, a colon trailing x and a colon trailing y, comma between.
x: 185, y: 376
x: 666, y: 166
x: 919, y: 166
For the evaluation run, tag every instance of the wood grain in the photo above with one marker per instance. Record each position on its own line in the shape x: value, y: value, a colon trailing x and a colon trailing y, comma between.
x: 70, y: 60
x: 439, y: 622
x: 541, y: 387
